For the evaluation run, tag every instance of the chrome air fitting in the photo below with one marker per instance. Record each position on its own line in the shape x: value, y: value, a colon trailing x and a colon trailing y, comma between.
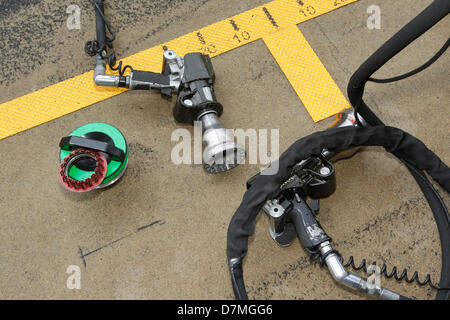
x: 344, y: 119
x: 108, y: 80
x: 291, y: 217
x: 349, y: 279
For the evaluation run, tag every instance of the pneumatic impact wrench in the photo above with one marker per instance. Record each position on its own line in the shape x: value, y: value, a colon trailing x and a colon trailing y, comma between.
x: 291, y: 216
x: 191, y: 78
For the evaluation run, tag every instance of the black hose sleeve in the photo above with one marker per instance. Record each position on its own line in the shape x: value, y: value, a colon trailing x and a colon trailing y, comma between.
x: 100, y: 23
x: 237, y: 278
x: 265, y: 187
x: 419, y: 25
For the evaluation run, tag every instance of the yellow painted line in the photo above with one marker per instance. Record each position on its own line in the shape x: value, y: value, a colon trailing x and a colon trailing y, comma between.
x: 306, y: 73
x: 79, y: 92
x: 252, y: 25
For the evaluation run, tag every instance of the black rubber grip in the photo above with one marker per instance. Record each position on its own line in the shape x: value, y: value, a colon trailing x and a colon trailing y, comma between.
x: 68, y: 143
x: 143, y: 79
x: 307, y: 227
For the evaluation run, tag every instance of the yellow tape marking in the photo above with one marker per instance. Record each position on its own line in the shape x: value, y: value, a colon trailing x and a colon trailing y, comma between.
x: 79, y: 92
x: 307, y: 75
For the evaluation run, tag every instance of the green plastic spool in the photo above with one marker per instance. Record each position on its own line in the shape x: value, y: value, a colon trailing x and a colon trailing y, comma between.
x: 116, y: 169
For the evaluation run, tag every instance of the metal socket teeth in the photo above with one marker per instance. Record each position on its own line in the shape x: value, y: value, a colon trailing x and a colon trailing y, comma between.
x: 82, y: 185
x: 223, y: 157
x: 221, y: 152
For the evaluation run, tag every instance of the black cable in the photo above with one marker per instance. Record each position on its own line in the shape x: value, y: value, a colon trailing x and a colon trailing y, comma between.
x: 408, y: 149
x: 442, y: 218
x: 399, y: 276
x: 415, y: 71
x: 434, y: 13
x: 109, y: 41
x: 403, y: 276
x: 93, y: 47
x: 264, y: 188
x: 112, y: 62
x: 443, y: 221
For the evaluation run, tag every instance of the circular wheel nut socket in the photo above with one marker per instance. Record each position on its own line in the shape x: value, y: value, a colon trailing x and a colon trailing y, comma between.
x: 94, y: 138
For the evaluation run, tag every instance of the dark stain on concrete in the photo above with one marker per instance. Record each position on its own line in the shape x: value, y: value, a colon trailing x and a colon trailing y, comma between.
x: 149, y: 225
x: 8, y: 7
x: 84, y: 255
x: 143, y: 158
x: 26, y: 23
x: 140, y: 149
x: 403, y: 210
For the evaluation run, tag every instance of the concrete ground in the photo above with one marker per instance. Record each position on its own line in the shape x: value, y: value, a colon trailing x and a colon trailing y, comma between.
x: 377, y: 213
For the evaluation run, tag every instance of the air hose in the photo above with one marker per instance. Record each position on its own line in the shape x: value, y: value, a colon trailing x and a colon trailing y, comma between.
x: 191, y: 78
x: 413, y: 30
x: 434, y: 13
x: 408, y: 149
